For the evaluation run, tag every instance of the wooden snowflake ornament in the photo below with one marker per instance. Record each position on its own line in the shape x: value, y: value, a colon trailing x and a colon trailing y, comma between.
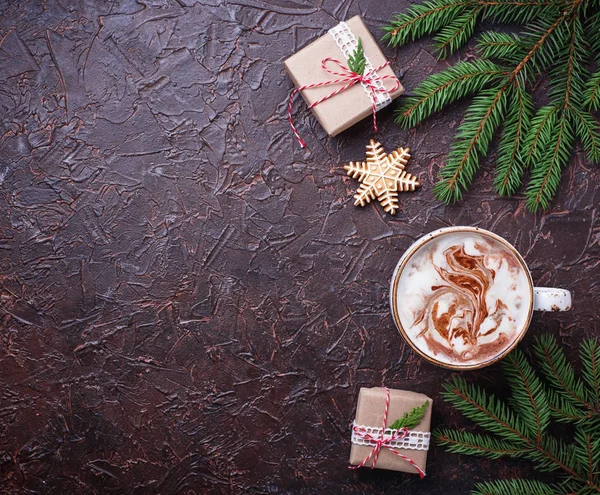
x: 382, y: 176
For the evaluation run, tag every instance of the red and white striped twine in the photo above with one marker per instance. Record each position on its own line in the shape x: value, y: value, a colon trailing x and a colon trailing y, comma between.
x: 384, y: 441
x: 370, y: 79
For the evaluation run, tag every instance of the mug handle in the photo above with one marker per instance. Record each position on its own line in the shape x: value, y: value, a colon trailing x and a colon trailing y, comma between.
x: 550, y: 299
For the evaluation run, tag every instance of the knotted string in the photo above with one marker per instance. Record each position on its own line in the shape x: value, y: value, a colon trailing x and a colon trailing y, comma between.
x: 348, y: 76
x: 384, y: 440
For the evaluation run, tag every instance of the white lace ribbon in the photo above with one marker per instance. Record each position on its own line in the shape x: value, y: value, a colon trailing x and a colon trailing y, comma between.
x: 415, y: 440
x: 347, y: 43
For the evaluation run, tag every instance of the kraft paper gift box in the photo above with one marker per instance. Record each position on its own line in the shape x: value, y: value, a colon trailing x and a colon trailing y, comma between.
x: 348, y: 107
x: 370, y: 411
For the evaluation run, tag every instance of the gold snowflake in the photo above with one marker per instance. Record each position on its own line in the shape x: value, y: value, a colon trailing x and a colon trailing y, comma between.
x: 382, y: 176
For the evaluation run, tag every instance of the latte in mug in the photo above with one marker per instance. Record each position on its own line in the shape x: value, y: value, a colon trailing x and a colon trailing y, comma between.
x: 462, y: 298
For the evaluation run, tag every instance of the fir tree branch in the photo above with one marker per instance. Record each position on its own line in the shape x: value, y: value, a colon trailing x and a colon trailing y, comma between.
x: 463, y: 442
x: 592, y: 31
x: 545, y: 176
x: 588, y: 131
x: 537, y: 47
x: 568, y: 73
x: 592, y: 92
x: 457, y: 33
x: 499, y: 46
x: 527, y: 394
x: 514, y: 3
x: 503, y: 12
x: 590, y: 371
x: 422, y: 19
x: 485, y: 410
x: 571, y: 64
x: 516, y: 487
x: 559, y: 38
x: 525, y: 433
x: 432, y: 15
x: 443, y: 88
x: 411, y: 418
x: 475, y: 134
x: 553, y: 454
x: 510, y: 164
x: 559, y: 373
x: 587, y: 451
x: 536, y: 142
x: 564, y: 410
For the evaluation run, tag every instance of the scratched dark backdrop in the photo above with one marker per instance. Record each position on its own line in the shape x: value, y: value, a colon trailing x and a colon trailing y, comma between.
x: 189, y: 302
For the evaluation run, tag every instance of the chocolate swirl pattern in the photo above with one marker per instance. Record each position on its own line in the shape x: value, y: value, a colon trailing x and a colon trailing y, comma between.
x: 457, y: 309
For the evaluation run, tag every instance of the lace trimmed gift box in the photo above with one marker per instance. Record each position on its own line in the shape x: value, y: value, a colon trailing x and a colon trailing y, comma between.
x: 399, y: 450
x: 347, y: 107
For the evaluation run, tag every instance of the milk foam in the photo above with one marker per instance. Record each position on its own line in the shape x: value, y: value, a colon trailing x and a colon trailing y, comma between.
x: 427, y: 286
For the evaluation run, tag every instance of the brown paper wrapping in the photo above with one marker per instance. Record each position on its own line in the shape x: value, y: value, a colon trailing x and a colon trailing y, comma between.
x: 347, y: 108
x: 369, y: 412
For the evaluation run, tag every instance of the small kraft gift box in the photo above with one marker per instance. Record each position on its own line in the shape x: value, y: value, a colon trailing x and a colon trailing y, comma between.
x: 321, y: 79
x: 376, y: 445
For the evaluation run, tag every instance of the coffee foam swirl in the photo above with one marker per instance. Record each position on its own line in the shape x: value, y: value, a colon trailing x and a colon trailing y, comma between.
x: 461, y: 298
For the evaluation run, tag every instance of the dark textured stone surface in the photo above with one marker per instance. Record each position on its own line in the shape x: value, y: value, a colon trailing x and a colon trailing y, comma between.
x: 190, y: 302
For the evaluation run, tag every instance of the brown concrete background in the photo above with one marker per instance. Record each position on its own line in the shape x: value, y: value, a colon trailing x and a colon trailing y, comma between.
x: 189, y: 302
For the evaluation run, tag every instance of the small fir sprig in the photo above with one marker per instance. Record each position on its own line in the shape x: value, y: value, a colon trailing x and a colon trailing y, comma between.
x: 518, y: 427
x: 357, y: 61
x: 559, y: 39
x: 411, y: 418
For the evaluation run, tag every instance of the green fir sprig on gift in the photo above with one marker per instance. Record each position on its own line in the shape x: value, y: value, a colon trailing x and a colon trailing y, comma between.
x: 558, y: 40
x: 357, y: 61
x: 411, y: 418
x: 519, y: 426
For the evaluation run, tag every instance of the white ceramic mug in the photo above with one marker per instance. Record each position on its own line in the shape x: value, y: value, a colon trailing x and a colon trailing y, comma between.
x: 533, y: 299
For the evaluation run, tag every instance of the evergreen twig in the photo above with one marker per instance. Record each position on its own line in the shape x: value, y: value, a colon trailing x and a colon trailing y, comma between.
x: 558, y: 38
x: 411, y: 418
x: 517, y: 487
x: 518, y: 428
x: 357, y: 61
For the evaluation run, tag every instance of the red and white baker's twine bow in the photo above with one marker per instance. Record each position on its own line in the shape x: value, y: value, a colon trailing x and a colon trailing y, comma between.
x: 370, y: 79
x: 384, y: 440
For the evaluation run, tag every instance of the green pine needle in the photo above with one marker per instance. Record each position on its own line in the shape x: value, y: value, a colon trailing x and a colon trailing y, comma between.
x: 590, y: 372
x: 520, y: 12
x: 464, y: 442
x: 357, y: 61
x: 422, y: 19
x: 564, y: 410
x: 537, y: 139
x: 518, y: 427
x: 510, y: 164
x: 528, y: 394
x: 566, y: 395
x: 499, y: 46
x: 412, y: 418
x: 592, y: 25
x: 485, y: 410
x: 557, y: 38
x: 587, y: 452
x: 546, y: 173
x: 439, y: 90
x: 592, y: 92
x: 517, y: 487
x: 483, y: 117
x: 587, y: 130
x: 453, y: 36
